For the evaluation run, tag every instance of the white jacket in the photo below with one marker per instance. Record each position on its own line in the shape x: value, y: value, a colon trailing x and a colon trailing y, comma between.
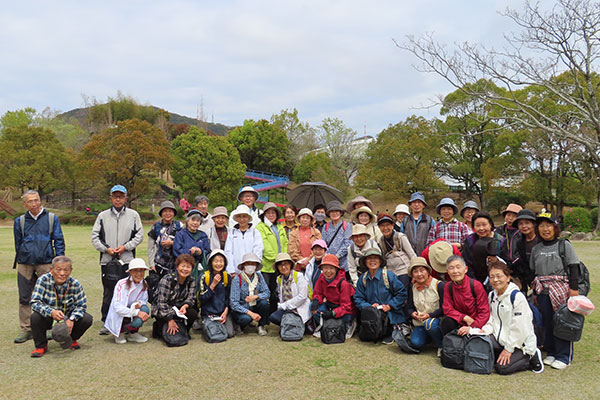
x: 239, y: 243
x: 123, y: 304
x: 511, y: 325
x: 299, y: 302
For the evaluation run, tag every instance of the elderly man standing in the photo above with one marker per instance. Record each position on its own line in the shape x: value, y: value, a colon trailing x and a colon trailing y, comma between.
x: 116, y: 233
x: 38, y: 239
x: 58, y: 297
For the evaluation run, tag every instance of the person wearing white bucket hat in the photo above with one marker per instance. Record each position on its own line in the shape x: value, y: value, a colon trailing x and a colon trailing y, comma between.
x: 129, y: 306
x: 400, y: 213
x: 248, y: 196
x: 365, y: 216
x: 242, y: 239
x: 302, y: 238
x: 361, y: 242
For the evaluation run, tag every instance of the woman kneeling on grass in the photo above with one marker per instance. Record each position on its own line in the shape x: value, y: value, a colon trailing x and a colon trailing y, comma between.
x: 128, y: 309
x: 293, y: 291
x: 511, y: 325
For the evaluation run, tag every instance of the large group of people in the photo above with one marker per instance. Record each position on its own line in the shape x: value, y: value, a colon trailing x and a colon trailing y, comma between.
x: 406, y: 278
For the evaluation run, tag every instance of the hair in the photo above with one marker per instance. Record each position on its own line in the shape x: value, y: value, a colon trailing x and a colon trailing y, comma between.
x: 210, y: 264
x: 61, y: 260
x: 290, y: 207
x: 496, y: 264
x: 187, y: 258
x: 556, y: 228
x: 193, y: 217
x: 130, y: 279
x: 315, y: 208
x: 200, y: 198
x: 453, y: 258
x: 27, y: 193
x: 483, y: 214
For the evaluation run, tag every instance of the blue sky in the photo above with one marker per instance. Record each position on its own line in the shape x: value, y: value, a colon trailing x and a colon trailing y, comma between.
x: 240, y: 59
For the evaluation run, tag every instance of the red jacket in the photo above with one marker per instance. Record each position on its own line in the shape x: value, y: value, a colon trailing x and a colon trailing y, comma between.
x: 335, y: 292
x: 434, y: 273
x: 462, y: 303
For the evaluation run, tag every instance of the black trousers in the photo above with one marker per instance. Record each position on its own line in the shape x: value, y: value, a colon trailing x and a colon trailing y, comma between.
x: 518, y: 360
x: 271, y: 281
x: 157, y: 326
x: 448, y: 324
x: 40, y: 325
x: 109, y: 287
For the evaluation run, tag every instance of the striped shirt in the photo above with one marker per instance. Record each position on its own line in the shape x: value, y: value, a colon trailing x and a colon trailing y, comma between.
x: 68, y: 297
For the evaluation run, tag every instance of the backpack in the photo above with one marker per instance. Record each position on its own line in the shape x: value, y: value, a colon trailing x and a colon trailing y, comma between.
x: 567, y: 324
x: 584, y: 286
x: 333, y: 331
x: 384, y: 276
x: 538, y: 322
x: 479, y: 354
x: 213, y: 331
x: 292, y: 327
x: 374, y: 324
x: 471, y: 284
x: 453, y: 350
x: 180, y: 338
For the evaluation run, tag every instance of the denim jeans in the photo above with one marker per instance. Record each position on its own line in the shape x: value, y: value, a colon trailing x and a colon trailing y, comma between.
x: 323, y: 307
x: 261, y: 308
x: 430, y: 331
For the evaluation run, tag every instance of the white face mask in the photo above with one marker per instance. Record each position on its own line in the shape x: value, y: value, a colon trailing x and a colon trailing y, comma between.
x: 249, y: 269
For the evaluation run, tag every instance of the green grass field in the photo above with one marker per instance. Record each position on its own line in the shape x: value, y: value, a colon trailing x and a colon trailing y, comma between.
x: 258, y: 367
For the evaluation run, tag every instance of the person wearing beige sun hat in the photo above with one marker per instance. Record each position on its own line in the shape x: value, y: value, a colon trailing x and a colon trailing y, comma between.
x: 248, y: 196
x: 363, y: 215
x: 361, y: 242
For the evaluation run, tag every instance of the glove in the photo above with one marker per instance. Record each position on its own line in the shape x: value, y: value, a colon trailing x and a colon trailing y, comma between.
x: 314, y: 305
x: 327, y: 314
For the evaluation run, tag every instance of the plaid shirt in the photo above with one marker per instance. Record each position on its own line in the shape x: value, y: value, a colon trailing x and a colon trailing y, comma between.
x: 453, y: 231
x: 68, y: 297
x: 170, y: 293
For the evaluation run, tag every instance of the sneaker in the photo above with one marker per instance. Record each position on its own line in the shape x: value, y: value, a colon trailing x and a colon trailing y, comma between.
x: 23, y: 337
x: 136, y: 338
x: 75, y: 345
x: 197, y: 325
x: 262, y: 331
x: 254, y: 323
x: 317, y: 334
x: 535, y: 362
x: 350, y: 329
x: 103, y: 331
x: 405, y: 329
x: 387, y: 340
x: 39, y: 352
x: 238, y: 330
x: 549, y: 360
x: 439, y: 352
x: 121, y: 338
x: 559, y: 365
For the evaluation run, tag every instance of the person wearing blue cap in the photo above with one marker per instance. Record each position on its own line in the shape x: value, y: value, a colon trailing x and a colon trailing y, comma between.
x: 448, y: 228
x: 115, y: 234
x: 417, y: 225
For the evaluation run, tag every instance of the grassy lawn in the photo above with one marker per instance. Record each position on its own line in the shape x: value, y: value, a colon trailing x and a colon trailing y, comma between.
x: 250, y: 366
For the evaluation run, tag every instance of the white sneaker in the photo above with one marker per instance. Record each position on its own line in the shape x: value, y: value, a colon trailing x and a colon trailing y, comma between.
x: 559, y: 365
x: 253, y: 323
x: 262, y: 331
x: 317, y: 334
x: 121, y: 338
x: 136, y: 338
x: 549, y: 360
x: 351, y: 329
x: 439, y: 352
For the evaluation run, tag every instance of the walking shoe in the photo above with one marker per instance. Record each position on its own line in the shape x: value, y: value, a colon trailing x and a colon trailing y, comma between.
x: 439, y: 352
x: 350, y: 329
x: 238, y: 330
x: 103, y: 331
x: 559, y: 365
x: 136, y: 338
x: 254, y: 323
x: 23, y: 337
x: 197, y: 325
x: 549, y: 360
x: 121, y: 338
x: 39, y: 352
x: 317, y: 334
x: 387, y: 340
x: 75, y: 345
x: 535, y: 362
x: 262, y: 331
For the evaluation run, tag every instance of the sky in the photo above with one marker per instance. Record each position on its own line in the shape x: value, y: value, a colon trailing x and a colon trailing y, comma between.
x: 237, y: 59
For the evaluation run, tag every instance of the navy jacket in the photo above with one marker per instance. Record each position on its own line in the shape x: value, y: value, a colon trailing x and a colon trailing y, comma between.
x: 184, y: 241
x: 37, y: 245
x: 213, y: 302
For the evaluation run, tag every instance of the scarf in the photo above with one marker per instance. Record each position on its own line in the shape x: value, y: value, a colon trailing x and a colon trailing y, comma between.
x: 252, y: 284
x: 286, y: 288
x: 420, y: 287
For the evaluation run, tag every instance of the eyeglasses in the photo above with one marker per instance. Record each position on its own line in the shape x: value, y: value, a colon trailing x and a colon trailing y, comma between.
x: 496, y: 277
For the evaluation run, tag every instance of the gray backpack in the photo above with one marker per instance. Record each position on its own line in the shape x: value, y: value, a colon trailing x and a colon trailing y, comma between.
x: 213, y: 331
x: 292, y: 327
x: 479, y: 354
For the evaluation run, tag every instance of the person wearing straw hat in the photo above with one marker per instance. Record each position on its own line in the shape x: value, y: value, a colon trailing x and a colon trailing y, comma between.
x: 362, y: 242
x: 302, y: 238
x: 243, y: 238
x: 219, y: 231
x: 416, y: 226
x: 214, y: 288
x: 191, y: 240
x: 275, y: 241
x: 337, y: 233
x: 469, y: 209
x: 357, y: 202
x: 425, y: 305
x: 161, y: 259
x: 448, y: 228
x: 364, y: 215
x: 129, y: 306
x: 292, y: 290
x: 249, y: 295
x: 248, y: 196
x: 400, y: 213
x: 510, y: 233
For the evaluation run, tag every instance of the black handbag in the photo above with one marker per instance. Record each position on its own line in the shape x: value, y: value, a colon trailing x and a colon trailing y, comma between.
x: 567, y: 324
x: 114, y: 270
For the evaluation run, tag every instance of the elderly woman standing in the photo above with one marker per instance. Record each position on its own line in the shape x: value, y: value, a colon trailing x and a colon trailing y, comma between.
x: 289, y: 219
x: 469, y: 209
x: 191, y: 240
x: 396, y: 248
x: 364, y: 216
x: 219, y: 230
x: 302, y: 238
x: 337, y: 233
x: 509, y: 231
x: 242, y: 239
x: 400, y: 213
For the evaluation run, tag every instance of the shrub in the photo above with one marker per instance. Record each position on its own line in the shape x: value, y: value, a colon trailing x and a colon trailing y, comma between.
x: 594, y: 216
x: 577, y: 219
x: 2, y: 215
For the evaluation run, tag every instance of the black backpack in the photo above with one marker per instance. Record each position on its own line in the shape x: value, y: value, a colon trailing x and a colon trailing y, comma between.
x: 584, y: 286
x: 567, y: 324
x: 453, y: 350
x: 374, y: 324
x: 180, y: 338
x: 479, y: 354
x: 333, y: 331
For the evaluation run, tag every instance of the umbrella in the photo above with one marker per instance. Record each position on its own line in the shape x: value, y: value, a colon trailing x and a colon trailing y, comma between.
x: 310, y: 194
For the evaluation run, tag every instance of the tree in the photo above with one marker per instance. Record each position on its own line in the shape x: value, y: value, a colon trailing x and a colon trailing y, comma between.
x: 301, y: 136
x: 562, y: 40
x: 338, y: 140
x: 32, y: 158
x: 309, y: 165
x: 131, y: 154
x: 13, y: 119
x: 262, y: 146
x: 401, y: 160
x: 206, y: 164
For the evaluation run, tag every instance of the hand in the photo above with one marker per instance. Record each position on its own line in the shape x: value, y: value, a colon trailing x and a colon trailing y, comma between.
x: 57, y: 315
x: 153, y: 269
x: 173, y: 328
x: 424, y: 317
x: 254, y: 316
x: 504, y: 357
x: 110, y: 251
x: 386, y: 307
x: 70, y: 324
x: 195, y: 250
x: 415, y: 315
x: 375, y: 305
x: 464, y: 330
x: 224, y: 316
x: 120, y: 250
x: 215, y: 282
x: 468, y: 320
x: 314, y: 305
x: 573, y: 292
x: 250, y: 299
x: 138, y: 305
x: 166, y: 243
x: 144, y: 316
x: 184, y: 308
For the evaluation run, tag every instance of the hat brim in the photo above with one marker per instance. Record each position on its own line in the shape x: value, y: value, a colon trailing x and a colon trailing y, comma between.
x: 255, y: 194
x: 439, y: 207
x: 363, y: 260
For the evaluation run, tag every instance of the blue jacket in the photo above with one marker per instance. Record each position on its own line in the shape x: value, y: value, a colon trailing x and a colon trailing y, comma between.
x: 341, y: 241
x: 213, y: 302
x: 239, y: 291
x: 37, y: 245
x: 184, y: 241
x: 374, y: 291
